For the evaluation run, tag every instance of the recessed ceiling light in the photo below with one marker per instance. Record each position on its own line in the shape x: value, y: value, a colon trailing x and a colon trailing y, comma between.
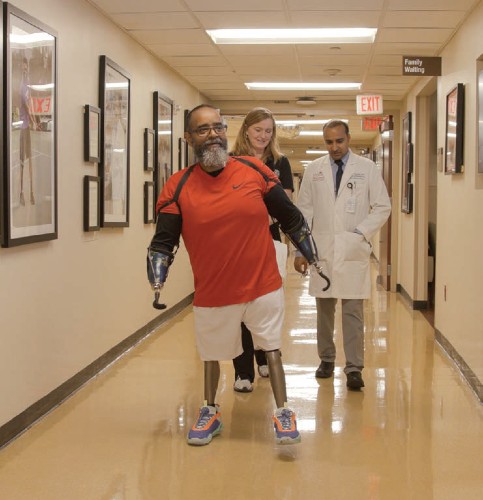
x: 311, y: 132
x: 304, y: 122
x: 303, y: 35
x: 306, y: 101
x: 302, y: 86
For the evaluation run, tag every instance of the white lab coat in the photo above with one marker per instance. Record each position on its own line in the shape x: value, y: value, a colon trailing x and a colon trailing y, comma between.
x: 343, y: 254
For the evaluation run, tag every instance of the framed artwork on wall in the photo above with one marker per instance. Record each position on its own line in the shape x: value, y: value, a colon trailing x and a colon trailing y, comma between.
x: 163, y: 132
x: 480, y: 115
x: 182, y: 150
x: 190, y: 155
x: 92, y: 199
x: 454, y: 130
x: 114, y: 101
x: 407, y: 164
x: 29, y: 187
x: 92, y: 132
x: 149, y: 202
x: 149, y: 149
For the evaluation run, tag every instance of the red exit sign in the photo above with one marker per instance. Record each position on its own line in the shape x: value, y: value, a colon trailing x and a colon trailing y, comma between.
x: 370, y: 123
x: 369, y: 104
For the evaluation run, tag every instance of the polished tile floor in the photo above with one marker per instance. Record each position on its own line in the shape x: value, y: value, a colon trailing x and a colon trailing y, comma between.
x: 414, y: 433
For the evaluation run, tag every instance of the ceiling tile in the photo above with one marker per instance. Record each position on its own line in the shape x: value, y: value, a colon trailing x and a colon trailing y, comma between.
x: 171, y: 36
x: 117, y: 6
x: 155, y: 20
x: 387, y: 35
x: 423, y: 19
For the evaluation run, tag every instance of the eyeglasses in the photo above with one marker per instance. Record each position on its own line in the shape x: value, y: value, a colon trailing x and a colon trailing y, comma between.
x: 219, y: 129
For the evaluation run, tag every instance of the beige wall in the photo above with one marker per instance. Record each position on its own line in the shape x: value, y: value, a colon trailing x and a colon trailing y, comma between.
x: 66, y: 302
x: 460, y: 208
x: 459, y: 316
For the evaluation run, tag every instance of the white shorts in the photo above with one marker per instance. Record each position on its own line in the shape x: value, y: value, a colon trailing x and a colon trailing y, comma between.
x: 218, y: 329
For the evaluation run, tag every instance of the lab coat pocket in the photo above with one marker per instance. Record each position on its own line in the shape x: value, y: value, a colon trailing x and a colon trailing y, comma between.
x: 352, y: 247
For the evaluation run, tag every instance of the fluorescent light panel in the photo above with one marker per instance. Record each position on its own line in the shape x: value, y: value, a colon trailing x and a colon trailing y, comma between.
x: 298, y: 35
x: 290, y: 123
x: 311, y: 132
x: 302, y: 86
x: 316, y: 152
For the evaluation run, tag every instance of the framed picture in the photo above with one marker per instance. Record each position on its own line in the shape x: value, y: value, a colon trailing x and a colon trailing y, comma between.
x: 149, y: 202
x: 407, y: 165
x: 149, y: 149
x: 454, y: 130
x: 92, y: 132
x: 92, y: 201
x: 114, y: 101
x: 480, y: 115
x: 163, y: 131
x: 29, y: 177
x: 182, y: 150
x: 190, y: 156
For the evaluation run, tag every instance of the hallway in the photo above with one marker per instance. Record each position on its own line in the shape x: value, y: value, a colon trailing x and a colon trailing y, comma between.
x: 414, y: 433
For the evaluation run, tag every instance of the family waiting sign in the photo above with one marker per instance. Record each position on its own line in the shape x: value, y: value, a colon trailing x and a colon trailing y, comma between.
x: 421, y: 66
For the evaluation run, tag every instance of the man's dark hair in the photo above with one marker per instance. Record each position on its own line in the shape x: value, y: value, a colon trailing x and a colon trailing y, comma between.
x: 190, y: 113
x: 336, y: 123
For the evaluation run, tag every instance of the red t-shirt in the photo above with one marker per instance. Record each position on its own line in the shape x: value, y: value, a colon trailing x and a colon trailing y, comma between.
x: 226, y: 232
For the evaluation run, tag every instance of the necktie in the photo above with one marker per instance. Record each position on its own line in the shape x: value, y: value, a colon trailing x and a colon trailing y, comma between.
x: 338, y: 175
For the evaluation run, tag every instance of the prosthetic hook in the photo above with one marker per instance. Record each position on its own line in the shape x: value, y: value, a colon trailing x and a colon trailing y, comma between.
x: 304, y: 242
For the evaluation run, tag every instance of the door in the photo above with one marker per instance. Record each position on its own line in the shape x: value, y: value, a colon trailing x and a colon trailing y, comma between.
x: 386, y: 131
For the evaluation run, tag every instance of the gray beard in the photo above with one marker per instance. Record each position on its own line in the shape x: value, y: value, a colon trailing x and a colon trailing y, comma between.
x: 215, y: 159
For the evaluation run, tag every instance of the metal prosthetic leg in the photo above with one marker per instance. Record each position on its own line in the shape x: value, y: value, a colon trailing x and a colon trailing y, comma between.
x: 277, y: 377
x: 212, y: 377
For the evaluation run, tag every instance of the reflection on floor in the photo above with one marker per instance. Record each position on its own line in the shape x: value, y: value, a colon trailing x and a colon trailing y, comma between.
x: 413, y: 433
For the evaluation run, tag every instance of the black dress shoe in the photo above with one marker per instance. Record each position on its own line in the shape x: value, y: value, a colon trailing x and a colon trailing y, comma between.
x: 354, y: 381
x: 325, y: 370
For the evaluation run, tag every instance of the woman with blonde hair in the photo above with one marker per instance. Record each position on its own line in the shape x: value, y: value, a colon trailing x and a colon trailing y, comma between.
x: 258, y: 137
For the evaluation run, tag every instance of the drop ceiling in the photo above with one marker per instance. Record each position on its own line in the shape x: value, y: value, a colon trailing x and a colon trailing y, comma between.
x: 174, y: 31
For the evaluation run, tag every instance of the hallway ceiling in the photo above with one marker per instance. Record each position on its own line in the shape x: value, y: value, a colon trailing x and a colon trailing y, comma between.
x: 174, y: 31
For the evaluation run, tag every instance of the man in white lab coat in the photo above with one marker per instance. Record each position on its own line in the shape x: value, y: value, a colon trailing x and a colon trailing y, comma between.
x: 345, y: 202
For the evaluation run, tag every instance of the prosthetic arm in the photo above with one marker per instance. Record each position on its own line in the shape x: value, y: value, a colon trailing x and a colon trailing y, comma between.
x: 158, y: 262
x: 294, y: 225
x: 161, y: 252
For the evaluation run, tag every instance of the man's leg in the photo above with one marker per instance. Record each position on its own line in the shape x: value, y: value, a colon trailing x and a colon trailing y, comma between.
x: 325, y: 336
x: 243, y: 364
x: 264, y: 317
x: 353, y: 335
x: 212, y: 377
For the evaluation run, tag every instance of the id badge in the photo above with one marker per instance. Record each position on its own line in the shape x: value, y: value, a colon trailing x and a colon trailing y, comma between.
x: 350, y: 205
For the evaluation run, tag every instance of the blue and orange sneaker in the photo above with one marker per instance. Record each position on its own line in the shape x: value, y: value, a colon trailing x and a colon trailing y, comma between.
x: 285, y: 427
x: 208, y: 425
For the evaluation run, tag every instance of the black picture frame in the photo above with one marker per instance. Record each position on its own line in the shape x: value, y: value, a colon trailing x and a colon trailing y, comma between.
x: 114, y: 167
x: 479, y: 86
x: 163, y: 131
x: 454, y: 138
x: 92, y: 133
x: 92, y: 202
x: 29, y: 176
x: 149, y: 202
x: 182, y: 156
x: 149, y: 153
x: 190, y: 156
x: 407, y: 164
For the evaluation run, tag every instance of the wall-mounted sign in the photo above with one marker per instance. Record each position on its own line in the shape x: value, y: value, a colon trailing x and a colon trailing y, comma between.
x: 369, y: 104
x: 421, y: 66
x: 370, y: 123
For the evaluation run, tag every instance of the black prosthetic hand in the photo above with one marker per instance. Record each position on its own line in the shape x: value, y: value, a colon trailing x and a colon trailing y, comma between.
x: 158, y: 262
